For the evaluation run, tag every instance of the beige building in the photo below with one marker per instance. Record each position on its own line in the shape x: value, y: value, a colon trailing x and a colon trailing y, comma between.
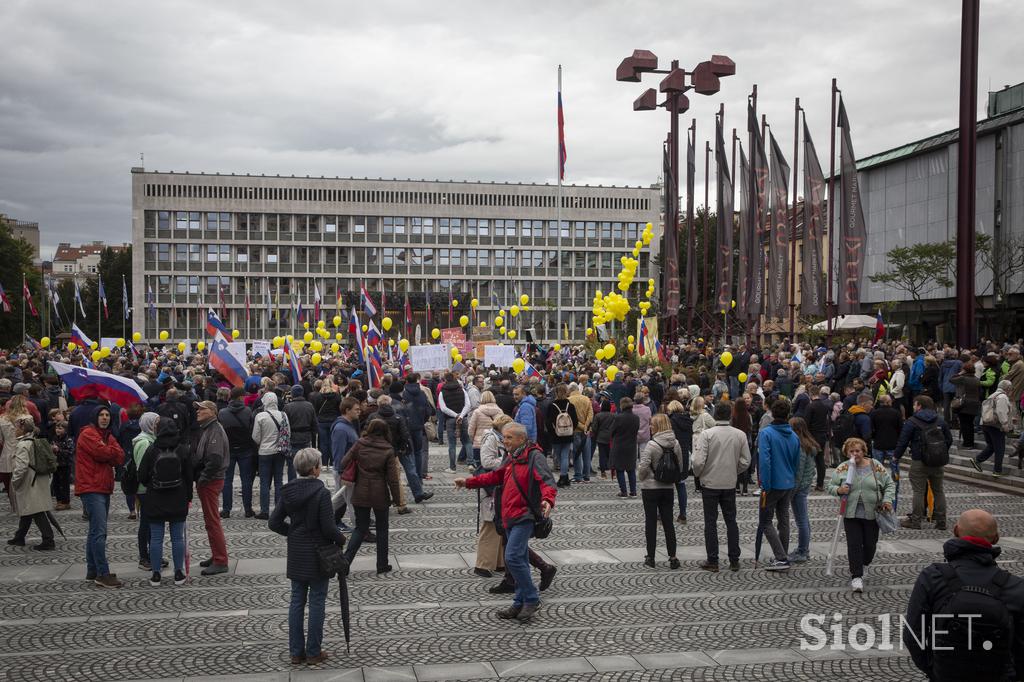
x: 26, y: 231
x: 73, y: 261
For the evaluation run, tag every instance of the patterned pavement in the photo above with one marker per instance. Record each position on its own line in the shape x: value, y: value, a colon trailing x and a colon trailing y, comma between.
x: 607, y: 616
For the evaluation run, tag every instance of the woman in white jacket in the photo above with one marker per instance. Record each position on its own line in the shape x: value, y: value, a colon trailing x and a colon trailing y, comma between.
x: 267, y: 431
x: 701, y: 419
x: 31, y: 489
x: 658, y: 496
x: 481, y: 420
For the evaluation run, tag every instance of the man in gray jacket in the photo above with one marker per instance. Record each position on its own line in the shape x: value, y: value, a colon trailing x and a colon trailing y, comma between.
x: 210, y: 459
x: 720, y: 454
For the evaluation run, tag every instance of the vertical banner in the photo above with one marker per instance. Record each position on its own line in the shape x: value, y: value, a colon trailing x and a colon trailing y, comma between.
x: 759, y: 200
x: 778, y: 249
x: 812, y: 295
x: 723, y: 262
x: 691, y: 239
x: 671, y: 255
x: 747, y: 219
x: 852, y: 231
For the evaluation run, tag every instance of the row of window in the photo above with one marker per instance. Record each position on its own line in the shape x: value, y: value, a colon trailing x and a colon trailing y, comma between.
x: 390, y: 225
x: 260, y: 193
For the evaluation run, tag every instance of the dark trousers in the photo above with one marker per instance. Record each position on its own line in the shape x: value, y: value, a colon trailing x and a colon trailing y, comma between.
x: 819, y: 462
x: 726, y: 499
x: 60, y: 484
x: 861, y: 540
x: 621, y: 476
x: 363, y: 527
x: 777, y: 504
x: 966, y: 429
x: 995, y: 443
x: 143, y: 533
x: 658, y: 505
x: 42, y: 523
x: 603, y: 450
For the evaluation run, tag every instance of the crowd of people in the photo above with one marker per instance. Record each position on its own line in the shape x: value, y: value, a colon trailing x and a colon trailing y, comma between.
x: 766, y: 421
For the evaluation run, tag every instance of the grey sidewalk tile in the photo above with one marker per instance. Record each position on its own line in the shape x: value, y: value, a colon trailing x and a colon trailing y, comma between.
x: 454, y: 671
x: 543, y: 666
x: 252, y: 677
x: 564, y: 557
x: 368, y: 562
x: 741, y: 656
x: 393, y: 673
x: 823, y: 654
x: 343, y: 675
x: 407, y: 562
x: 679, y: 659
x: 20, y: 621
x: 213, y: 614
x: 123, y: 569
x: 605, y: 664
x: 406, y: 606
x: 133, y: 616
x: 261, y: 566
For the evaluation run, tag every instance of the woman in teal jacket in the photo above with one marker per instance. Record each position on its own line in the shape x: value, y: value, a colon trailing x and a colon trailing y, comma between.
x: 867, y: 485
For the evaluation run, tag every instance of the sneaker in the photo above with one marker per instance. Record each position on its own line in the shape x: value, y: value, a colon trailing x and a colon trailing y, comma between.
x: 262, y: 516
x: 385, y: 569
x: 504, y: 587
x: 154, y: 580
x: 369, y: 537
x: 179, y: 578
x: 249, y: 513
x: 225, y: 513
x: 633, y: 494
x: 673, y: 563
x: 403, y: 510
x: 547, y: 575
x: 857, y: 585
x: 215, y: 569
x: 621, y: 495
x: 734, y: 566
x: 649, y: 561
x: 526, y: 613
x: 108, y: 580
x: 998, y: 474
x: 709, y: 567
x: 449, y: 470
x: 133, y: 516
x: 90, y: 576
x: 298, y: 660
x: 64, y: 506
x: 206, y: 563
x: 798, y: 558
x: 509, y: 613
x: 777, y: 566
x: 424, y: 497
x: 144, y: 565
x: 940, y: 525
x: 976, y: 464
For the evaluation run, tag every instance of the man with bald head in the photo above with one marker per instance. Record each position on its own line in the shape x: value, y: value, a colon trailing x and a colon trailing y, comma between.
x: 965, y: 618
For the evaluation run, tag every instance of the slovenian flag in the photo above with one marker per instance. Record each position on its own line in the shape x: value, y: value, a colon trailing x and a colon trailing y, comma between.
x: 293, y: 361
x: 642, y: 350
x: 358, y: 331
x: 214, y: 326
x: 79, y: 338
x: 561, y: 130
x: 368, y: 306
x: 530, y: 371
x: 373, y: 335
x: 374, y: 367
x: 85, y: 383
x: 4, y: 301
x: 224, y: 362
x: 103, y: 299
x: 879, y: 327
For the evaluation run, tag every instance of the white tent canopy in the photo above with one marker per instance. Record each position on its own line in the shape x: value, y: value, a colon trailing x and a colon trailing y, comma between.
x: 846, y: 322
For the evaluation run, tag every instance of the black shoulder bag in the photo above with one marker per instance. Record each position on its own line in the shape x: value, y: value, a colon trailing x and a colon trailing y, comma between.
x: 330, y: 557
x: 541, y: 525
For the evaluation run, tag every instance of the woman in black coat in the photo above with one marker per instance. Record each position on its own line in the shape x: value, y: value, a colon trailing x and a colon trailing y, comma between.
x: 682, y: 426
x: 168, y: 493
x: 623, y: 454
x: 601, y: 433
x: 968, y: 392
x: 930, y: 379
x: 306, y: 504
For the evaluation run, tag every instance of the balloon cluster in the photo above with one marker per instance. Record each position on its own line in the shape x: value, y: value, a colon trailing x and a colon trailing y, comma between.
x: 614, y: 306
x: 608, y: 308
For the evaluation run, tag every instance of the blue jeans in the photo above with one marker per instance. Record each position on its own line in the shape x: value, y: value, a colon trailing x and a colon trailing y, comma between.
x: 681, y: 494
x: 995, y: 443
x: 419, y: 451
x: 517, y: 562
x: 408, y: 462
x: 301, y: 643
x: 247, y: 470
x: 467, y: 442
x: 803, y: 521
x: 621, y: 476
x: 882, y: 456
x: 562, y: 452
x: 323, y: 441
x: 270, y: 466
x: 97, y: 506
x: 156, y: 545
x: 581, y: 456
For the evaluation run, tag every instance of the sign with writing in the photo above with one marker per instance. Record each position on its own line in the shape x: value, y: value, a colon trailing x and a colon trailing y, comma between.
x: 435, y: 357
x: 261, y: 348
x: 499, y: 356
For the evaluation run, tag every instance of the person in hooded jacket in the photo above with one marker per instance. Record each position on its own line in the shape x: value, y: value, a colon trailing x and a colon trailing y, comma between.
x: 624, y: 447
x: 237, y: 421
x: 398, y: 428
x: 266, y: 428
x: 657, y: 495
x: 167, y: 498
x: 97, y: 452
x: 526, y: 411
x: 305, y: 516
x: 140, y: 444
x: 481, y: 421
x: 682, y: 426
x: 453, y: 402
x: 778, y: 451
x: 417, y: 413
x: 326, y: 402
x: 970, y: 557
x: 376, y: 488
x: 921, y: 476
x: 31, y: 489
x: 601, y: 435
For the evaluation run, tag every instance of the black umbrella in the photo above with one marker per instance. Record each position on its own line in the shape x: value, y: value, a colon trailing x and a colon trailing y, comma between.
x: 346, y: 618
x: 53, y: 522
x: 759, y: 535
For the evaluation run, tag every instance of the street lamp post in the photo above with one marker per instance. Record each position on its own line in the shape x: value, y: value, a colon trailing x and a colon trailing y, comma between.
x: 704, y: 80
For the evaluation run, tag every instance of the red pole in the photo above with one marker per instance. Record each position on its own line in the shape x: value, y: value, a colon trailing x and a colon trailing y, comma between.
x: 967, y: 174
x: 752, y: 319
x: 673, y: 220
x: 735, y: 293
x: 830, y: 305
x: 792, y: 232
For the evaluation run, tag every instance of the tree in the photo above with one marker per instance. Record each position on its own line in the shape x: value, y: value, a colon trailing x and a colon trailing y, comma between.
x: 1003, y: 264
x: 919, y: 270
x: 15, y: 262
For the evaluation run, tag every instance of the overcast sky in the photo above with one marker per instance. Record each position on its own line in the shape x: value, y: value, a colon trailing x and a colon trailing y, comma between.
x: 448, y: 90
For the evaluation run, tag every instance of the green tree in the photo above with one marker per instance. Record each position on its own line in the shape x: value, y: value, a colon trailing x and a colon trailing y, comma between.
x: 15, y: 262
x: 919, y: 270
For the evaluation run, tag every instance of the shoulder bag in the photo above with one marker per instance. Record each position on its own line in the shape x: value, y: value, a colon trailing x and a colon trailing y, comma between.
x: 541, y: 525
x: 330, y: 558
x: 886, y: 520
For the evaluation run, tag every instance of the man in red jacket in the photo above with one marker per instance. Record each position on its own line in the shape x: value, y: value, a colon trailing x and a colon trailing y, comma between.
x: 97, y: 452
x: 525, y: 470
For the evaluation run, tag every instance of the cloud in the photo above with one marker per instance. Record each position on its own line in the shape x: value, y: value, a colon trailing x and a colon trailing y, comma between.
x: 456, y: 90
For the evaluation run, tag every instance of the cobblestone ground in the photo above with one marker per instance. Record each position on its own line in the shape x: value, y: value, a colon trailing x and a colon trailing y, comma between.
x: 607, y: 616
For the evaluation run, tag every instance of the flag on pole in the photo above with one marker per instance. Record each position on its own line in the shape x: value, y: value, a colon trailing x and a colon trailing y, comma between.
x: 758, y: 197
x: 150, y: 301
x: 103, y: 297
x: 373, y: 366
x: 383, y: 299
x: 879, y: 327
x: 724, y: 222
x: 778, y: 245
x: 293, y: 361
x: 745, y: 235
x: 214, y: 325
x: 692, y: 290
x: 54, y: 296
x: 408, y: 316
x: 78, y: 297
x: 266, y: 300
x: 373, y: 335
x: 316, y: 302
x: 79, y: 338
x: 223, y: 304
x: 224, y: 362
x: 28, y: 298
x: 124, y: 298
x: 428, y: 308
x: 642, y: 346
x: 247, y: 315
x: 367, y: 304
x: 812, y: 299
x: 4, y: 301
x: 852, y: 231
x: 451, y: 308
x: 561, y: 129
x: 356, y: 329
x: 300, y: 315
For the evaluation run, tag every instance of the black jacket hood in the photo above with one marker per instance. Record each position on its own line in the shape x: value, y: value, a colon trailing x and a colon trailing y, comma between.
x: 297, y: 494
x: 958, y: 548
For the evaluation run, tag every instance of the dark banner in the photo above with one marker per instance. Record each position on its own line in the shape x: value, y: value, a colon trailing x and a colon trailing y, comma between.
x: 671, y: 292
x: 691, y: 239
x: 852, y: 230
x: 724, y: 224
x: 759, y: 203
x: 812, y: 282
x: 746, y: 234
x: 778, y: 249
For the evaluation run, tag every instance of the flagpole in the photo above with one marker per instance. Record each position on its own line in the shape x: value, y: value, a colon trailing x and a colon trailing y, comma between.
x: 704, y: 274
x: 792, y: 232
x: 24, y: 304
x: 558, y: 225
x: 831, y: 202
x: 99, y: 309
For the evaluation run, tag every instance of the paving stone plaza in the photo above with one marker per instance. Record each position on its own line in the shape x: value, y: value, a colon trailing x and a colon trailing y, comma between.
x: 606, y: 617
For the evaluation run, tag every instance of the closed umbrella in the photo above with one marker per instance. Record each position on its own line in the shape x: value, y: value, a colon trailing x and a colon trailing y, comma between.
x: 829, y: 563
x: 346, y: 618
x: 53, y: 522
x: 759, y: 534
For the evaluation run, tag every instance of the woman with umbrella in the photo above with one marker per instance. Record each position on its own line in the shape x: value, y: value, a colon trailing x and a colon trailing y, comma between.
x: 306, y: 504
x: 31, y: 489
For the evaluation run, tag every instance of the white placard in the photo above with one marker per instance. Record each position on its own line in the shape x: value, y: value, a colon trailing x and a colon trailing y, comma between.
x: 433, y: 357
x: 108, y: 342
x: 499, y: 356
x: 261, y: 348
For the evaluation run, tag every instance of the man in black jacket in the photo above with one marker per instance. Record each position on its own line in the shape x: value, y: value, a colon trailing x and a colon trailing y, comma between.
x: 417, y: 412
x: 886, y: 424
x: 921, y: 476
x: 236, y: 419
x: 302, y: 422
x: 817, y: 415
x: 401, y: 441
x: 504, y: 398
x: 940, y: 590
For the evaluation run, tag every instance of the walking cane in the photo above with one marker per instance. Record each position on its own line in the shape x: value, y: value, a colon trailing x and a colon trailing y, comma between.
x: 830, y: 562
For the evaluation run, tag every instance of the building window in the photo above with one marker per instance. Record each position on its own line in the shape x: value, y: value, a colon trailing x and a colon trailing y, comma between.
x: 181, y: 253
x: 443, y: 227
x: 616, y: 230
x: 527, y: 228
x: 456, y: 256
x: 242, y: 254
x: 225, y: 253
x: 389, y: 226
x: 591, y: 230
x: 330, y: 224
x: 444, y: 257
x: 631, y: 232
x: 428, y: 226
x: 271, y: 254
x: 163, y: 220
x: 484, y: 227
x: 181, y: 220
x: 195, y: 253
x: 470, y: 228
x: 389, y: 252
x: 606, y: 230
x: 163, y: 284
x: 399, y: 225
x: 193, y: 220
x: 163, y: 252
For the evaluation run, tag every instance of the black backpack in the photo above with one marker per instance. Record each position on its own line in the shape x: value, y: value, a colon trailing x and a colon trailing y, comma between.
x: 130, y: 475
x: 934, y: 451
x: 166, y: 470
x: 978, y: 618
x: 845, y: 427
x: 667, y: 469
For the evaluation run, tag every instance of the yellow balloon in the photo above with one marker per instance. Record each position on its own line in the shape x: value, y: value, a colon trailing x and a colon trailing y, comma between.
x: 403, y: 345
x: 365, y: 328
x: 94, y: 345
x: 501, y: 313
x: 136, y: 336
x: 611, y: 372
x: 335, y: 347
x: 518, y: 365
x: 289, y: 338
x: 455, y: 303
x: 316, y: 359
x: 733, y: 302
x: 181, y: 346
x: 235, y: 333
x: 742, y: 377
x: 454, y: 351
x: 317, y: 346
x: 164, y: 335
x: 631, y: 339
x: 435, y: 333
x: 320, y: 323
x: 337, y: 320
x: 45, y: 342
x: 499, y: 321
x: 609, y: 351
x: 119, y: 343
x: 524, y: 300
x: 201, y: 346
x: 599, y: 353
x: 474, y: 303
x: 590, y: 331
x: 463, y: 321
x: 557, y: 347
x: 513, y: 311
x: 726, y: 359
x: 96, y: 356
x: 104, y: 352
x: 298, y: 345
x: 307, y: 337
x: 305, y: 325
x: 512, y: 334
x: 631, y: 348
x: 386, y: 324
x: 501, y: 330
x: 391, y: 342
x: 72, y: 347
x: 277, y: 342
x: 338, y: 336
x: 458, y: 358
x: 484, y: 323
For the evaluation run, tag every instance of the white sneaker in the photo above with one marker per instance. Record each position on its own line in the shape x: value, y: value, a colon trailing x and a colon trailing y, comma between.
x: 449, y: 471
x: 857, y: 584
